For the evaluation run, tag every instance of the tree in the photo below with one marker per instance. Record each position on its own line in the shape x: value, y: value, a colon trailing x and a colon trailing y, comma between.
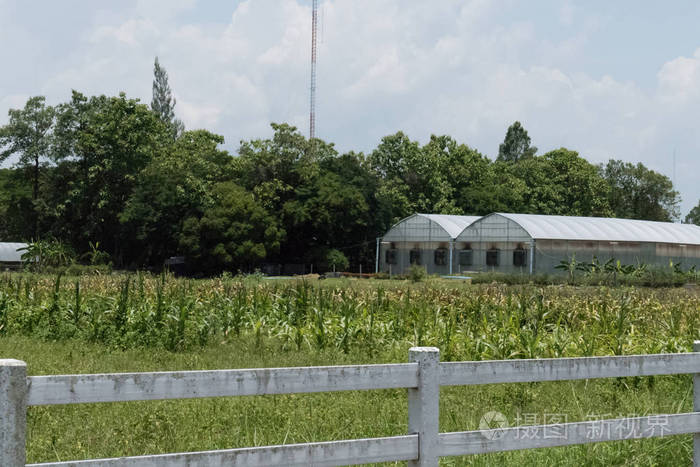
x: 471, y: 183
x: 105, y: 142
x: 163, y: 102
x: 337, y: 260
x: 172, y: 188
x: 516, y: 145
x: 235, y: 232
x: 562, y: 183
x: 28, y: 134
x: 693, y: 216
x: 412, y: 178
x: 283, y: 174
x: 15, y: 203
x: 637, y: 192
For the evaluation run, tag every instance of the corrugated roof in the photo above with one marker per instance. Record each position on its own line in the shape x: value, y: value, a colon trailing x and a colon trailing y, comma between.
x: 451, y: 224
x: 9, y: 253
x: 605, y: 229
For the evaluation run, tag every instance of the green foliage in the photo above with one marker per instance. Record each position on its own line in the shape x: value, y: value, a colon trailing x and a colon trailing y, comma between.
x: 562, y: 183
x: 636, y: 192
x: 16, y: 206
x: 163, y: 102
x: 337, y: 260
x: 416, y: 273
x: 106, y: 142
x: 614, y: 272
x: 42, y: 254
x: 173, y: 188
x: 413, y: 179
x: 570, y: 266
x: 235, y: 232
x: 95, y: 256
x: 28, y: 134
x: 477, y: 321
x: 693, y: 216
x: 516, y: 145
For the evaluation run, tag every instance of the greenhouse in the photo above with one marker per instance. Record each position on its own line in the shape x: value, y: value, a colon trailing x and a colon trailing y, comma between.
x: 531, y: 243
x: 10, y: 256
x: 427, y: 240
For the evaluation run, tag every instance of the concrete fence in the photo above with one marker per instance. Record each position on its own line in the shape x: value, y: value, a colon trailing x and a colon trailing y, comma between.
x: 422, y: 377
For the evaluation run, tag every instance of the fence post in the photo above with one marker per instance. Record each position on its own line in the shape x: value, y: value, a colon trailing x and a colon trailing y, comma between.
x: 424, y: 405
x: 696, y: 408
x: 13, y: 412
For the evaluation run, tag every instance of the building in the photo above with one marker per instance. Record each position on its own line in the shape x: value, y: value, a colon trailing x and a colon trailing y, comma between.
x: 10, y: 256
x: 427, y: 240
x: 532, y: 243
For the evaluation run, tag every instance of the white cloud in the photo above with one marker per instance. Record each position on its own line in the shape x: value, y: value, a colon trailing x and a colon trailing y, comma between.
x: 197, y: 115
x: 566, y: 13
x: 165, y: 9
x: 133, y: 32
x: 679, y: 79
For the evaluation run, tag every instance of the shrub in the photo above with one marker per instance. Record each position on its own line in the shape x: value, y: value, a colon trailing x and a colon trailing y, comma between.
x: 42, y: 254
x: 337, y: 260
x: 96, y: 256
x: 416, y: 273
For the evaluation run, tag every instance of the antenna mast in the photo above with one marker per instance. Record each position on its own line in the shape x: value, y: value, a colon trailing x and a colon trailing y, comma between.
x: 312, y: 110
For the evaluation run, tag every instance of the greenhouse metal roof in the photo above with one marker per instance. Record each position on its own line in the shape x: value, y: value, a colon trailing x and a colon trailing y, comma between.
x: 9, y: 253
x: 451, y: 225
x: 605, y: 229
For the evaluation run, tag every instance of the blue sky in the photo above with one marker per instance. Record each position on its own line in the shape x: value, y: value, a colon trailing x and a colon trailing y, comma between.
x: 608, y: 79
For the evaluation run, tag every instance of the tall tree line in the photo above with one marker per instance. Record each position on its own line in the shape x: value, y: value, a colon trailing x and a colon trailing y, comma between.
x: 115, y: 171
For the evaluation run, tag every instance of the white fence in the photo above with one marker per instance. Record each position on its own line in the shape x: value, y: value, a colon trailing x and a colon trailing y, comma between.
x: 422, y: 376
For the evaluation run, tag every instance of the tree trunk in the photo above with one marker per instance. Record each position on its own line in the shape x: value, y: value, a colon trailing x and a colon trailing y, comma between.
x: 35, y: 196
x: 36, y: 178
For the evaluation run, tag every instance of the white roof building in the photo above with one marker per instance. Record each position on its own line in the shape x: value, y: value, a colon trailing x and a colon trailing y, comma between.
x: 9, y: 252
x: 506, y: 242
x: 533, y: 242
x: 604, y: 229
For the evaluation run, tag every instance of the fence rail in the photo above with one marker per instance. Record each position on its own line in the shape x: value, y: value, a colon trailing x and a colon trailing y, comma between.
x: 121, y: 387
x: 422, y: 377
x: 562, y: 369
x: 353, y: 452
x: 566, y: 434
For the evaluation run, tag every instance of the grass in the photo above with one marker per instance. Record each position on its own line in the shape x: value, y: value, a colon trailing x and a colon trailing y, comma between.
x: 134, y: 428
x: 142, y: 323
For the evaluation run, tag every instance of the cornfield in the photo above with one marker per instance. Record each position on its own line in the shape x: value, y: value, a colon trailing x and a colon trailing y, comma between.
x: 467, y: 322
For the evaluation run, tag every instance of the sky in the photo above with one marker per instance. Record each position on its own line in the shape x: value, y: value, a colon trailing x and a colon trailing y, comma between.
x: 608, y: 79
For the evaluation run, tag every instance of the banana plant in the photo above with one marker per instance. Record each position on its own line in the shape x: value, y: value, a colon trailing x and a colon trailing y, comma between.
x: 571, y: 266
